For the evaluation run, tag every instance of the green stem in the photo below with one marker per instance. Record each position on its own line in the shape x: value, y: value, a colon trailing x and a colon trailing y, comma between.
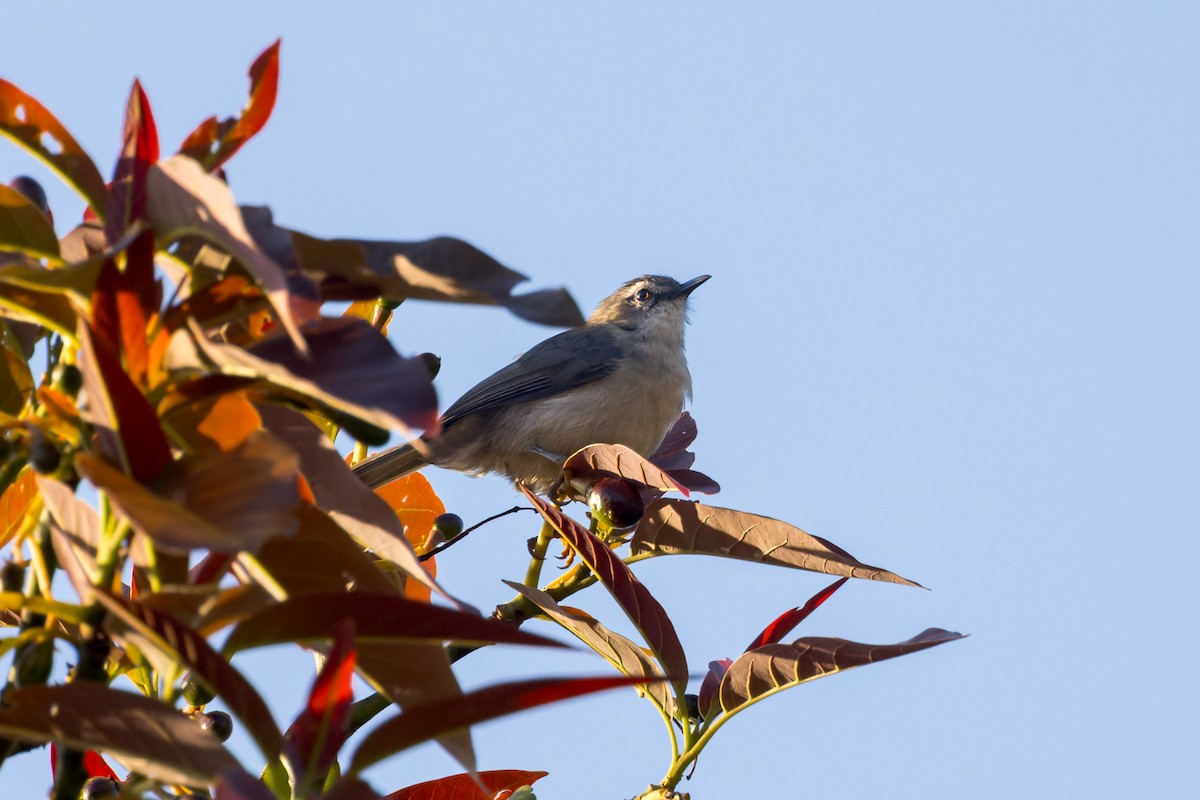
x: 537, y: 556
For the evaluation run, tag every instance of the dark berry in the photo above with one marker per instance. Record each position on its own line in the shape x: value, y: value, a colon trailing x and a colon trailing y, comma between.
x: 12, y: 577
x: 43, y: 455
x: 68, y: 379
x: 450, y: 525
x: 101, y: 788
x: 32, y: 190
x: 615, y: 502
x: 218, y: 722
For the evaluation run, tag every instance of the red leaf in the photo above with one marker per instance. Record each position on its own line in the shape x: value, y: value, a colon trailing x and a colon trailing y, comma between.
x: 465, y: 787
x: 710, y: 685
x: 213, y: 143
x: 93, y: 762
x: 789, y: 619
x: 127, y: 193
x: 635, y: 599
x: 317, y: 734
x: 426, y: 721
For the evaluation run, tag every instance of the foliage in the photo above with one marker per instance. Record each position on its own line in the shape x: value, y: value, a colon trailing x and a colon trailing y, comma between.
x: 194, y: 388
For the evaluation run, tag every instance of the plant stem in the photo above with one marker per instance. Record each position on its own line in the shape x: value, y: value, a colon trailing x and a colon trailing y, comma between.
x: 537, y: 556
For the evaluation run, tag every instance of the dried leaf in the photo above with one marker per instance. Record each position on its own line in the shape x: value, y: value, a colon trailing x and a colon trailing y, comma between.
x: 767, y: 670
x: 423, y: 722
x: 213, y: 143
x: 466, y: 786
x: 24, y: 227
x: 625, y: 655
x: 149, y: 736
x: 312, y: 617
x: 671, y: 527
x: 184, y: 199
x: 646, y: 614
x: 31, y: 125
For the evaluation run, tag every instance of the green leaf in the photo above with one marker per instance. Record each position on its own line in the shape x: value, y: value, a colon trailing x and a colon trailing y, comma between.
x: 24, y: 228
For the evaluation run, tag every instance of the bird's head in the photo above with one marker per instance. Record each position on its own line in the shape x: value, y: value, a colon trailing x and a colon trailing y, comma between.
x: 651, y: 302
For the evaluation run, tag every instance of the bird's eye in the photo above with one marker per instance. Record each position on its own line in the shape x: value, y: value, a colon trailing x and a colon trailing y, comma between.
x: 642, y: 295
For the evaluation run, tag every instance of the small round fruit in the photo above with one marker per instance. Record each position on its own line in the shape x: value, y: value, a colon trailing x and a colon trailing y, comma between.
x: 32, y: 190
x: 615, y: 502
x: 101, y: 788
x: 218, y: 722
x: 450, y: 525
x: 12, y: 577
x: 44, y: 456
x: 68, y: 379
x: 195, y: 692
x: 691, y: 706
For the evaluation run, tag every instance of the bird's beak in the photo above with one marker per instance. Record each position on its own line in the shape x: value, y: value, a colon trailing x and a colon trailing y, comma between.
x: 687, y: 288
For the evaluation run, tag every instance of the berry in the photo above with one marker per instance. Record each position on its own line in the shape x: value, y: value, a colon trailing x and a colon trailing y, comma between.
x: 12, y: 577
x: 615, y: 502
x: 68, y: 379
x: 195, y: 692
x: 43, y: 455
x: 218, y: 722
x: 32, y: 190
x: 450, y: 525
x: 101, y: 788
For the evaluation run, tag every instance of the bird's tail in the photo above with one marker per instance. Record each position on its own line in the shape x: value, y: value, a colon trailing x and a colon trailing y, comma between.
x: 389, y: 465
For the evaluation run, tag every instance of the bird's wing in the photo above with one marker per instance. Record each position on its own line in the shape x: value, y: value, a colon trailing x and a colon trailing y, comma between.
x: 562, y: 362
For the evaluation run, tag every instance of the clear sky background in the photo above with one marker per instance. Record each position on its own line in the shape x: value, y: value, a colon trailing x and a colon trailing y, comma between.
x: 952, y: 327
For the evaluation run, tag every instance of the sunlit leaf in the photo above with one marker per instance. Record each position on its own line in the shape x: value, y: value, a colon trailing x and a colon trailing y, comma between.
x: 155, y: 632
x: 312, y: 617
x: 213, y: 143
x: 149, y: 736
x: 466, y: 786
x: 711, y: 685
x: 671, y: 527
x: 31, y: 125
x: 598, y: 461
x: 24, y: 227
x: 184, y: 199
x: 786, y: 622
x: 625, y: 655
x: 46, y: 308
x: 74, y: 532
x: 221, y: 421
x: 16, y: 382
x: 14, y: 503
x: 423, y: 722
x: 775, y: 667
x: 645, y: 612
x: 313, y: 740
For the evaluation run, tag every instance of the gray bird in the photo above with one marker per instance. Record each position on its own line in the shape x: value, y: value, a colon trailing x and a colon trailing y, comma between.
x: 621, y: 378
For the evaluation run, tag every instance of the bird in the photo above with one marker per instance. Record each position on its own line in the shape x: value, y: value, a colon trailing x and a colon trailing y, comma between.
x: 620, y: 378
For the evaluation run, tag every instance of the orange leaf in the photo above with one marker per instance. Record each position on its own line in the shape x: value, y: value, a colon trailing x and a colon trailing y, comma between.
x: 417, y: 506
x: 14, y: 503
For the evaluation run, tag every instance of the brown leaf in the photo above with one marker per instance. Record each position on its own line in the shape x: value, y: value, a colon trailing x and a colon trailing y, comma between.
x: 349, y: 502
x: 321, y: 557
x: 671, y: 527
x: 444, y: 269
x: 421, y: 723
x: 150, y: 737
x: 645, y: 612
x: 46, y: 308
x: 775, y: 667
x: 24, y: 227
x: 625, y: 655
x: 73, y: 534
x: 31, y: 125
x: 165, y: 640
x: 466, y: 786
x: 312, y: 617
x: 184, y: 199
x: 598, y: 461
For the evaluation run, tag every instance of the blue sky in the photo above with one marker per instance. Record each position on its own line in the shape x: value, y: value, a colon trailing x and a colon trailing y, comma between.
x: 952, y: 327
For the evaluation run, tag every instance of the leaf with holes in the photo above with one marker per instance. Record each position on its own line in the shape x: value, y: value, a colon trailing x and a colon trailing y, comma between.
x: 213, y: 143
x: 635, y: 600
x: 775, y: 667
x: 27, y: 122
x: 466, y: 786
x: 672, y: 527
x: 625, y: 655
x: 423, y: 722
x: 165, y: 641
x: 150, y: 737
